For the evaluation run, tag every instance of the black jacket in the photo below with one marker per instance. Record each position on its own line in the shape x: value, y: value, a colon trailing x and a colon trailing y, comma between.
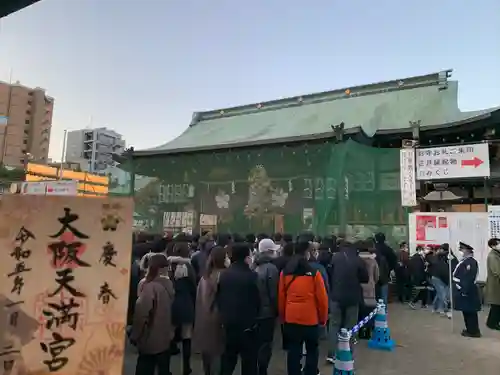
x: 389, y: 254
x: 439, y: 267
x: 281, y: 261
x: 238, y: 298
x: 417, y: 270
x: 384, y: 269
x: 347, y: 273
x: 184, y: 279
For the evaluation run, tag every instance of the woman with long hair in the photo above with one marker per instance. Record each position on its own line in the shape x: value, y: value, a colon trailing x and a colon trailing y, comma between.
x: 208, y: 337
x: 152, y: 330
x: 184, y: 279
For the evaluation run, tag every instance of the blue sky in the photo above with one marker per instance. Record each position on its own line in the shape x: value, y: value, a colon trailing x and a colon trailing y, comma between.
x: 142, y: 72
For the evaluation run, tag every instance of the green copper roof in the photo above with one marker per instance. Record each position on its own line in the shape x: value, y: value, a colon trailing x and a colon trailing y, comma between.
x: 379, y: 107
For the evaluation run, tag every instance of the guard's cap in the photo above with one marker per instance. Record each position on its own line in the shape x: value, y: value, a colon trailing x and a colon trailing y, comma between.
x: 464, y: 246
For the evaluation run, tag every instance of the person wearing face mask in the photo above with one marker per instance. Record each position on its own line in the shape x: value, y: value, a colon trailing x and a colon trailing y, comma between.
x: 267, y: 278
x: 239, y: 304
x: 439, y: 273
x: 492, y: 289
x: 465, y: 293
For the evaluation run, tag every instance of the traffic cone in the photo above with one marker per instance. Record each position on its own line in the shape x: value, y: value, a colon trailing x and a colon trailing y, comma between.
x: 381, y: 336
x: 344, y: 364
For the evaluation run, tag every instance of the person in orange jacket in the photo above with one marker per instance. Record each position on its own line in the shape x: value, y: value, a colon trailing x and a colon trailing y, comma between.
x: 303, y: 308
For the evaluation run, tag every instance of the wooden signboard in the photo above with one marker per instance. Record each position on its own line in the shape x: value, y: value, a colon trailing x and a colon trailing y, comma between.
x: 65, y: 277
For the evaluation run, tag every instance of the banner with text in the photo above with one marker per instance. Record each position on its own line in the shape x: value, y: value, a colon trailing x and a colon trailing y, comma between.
x: 436, y: 228
x: 65, y: 266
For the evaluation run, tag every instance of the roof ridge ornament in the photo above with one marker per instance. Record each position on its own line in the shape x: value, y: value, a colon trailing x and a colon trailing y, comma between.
x: 338, y: 131
x: 415, y: 128
x: 443, y: 79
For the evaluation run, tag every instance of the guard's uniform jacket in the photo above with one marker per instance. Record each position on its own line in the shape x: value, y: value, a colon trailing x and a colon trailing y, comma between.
x: 465, y: 292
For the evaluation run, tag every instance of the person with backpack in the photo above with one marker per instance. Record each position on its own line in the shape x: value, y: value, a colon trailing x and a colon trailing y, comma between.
x: 183, y: 309
x: 303, y: 308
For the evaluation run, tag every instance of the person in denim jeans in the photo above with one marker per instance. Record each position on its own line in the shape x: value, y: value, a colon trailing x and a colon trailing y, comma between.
x: 439, y: 271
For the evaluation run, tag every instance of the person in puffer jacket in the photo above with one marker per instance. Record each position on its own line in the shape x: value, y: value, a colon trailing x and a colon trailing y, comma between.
x: 183, y: 308
x: 267, y: 281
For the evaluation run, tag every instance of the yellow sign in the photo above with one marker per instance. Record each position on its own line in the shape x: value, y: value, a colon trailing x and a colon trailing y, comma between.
x: 64, y: 289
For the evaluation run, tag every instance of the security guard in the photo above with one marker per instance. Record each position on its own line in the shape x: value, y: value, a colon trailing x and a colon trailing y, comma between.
x: 465, y: 293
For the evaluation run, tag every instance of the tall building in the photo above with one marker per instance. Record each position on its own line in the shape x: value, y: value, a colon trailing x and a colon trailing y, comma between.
x: 93, y: 148
x: 25, y: 124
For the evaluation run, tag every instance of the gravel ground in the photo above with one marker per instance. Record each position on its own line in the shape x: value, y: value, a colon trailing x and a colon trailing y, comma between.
x: 425, y: 345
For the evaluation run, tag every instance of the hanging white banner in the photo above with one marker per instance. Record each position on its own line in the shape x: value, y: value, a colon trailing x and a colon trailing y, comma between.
x: 407, y: 175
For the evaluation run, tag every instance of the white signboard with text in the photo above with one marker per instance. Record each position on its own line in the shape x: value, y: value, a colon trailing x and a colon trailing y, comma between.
x: 50, y: 188
x: 407, y: 175
x: 438, y: 163
x: 494, y: 221
x: 436, y: 228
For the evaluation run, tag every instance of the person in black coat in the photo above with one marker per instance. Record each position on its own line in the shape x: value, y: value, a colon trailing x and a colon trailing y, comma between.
x: 347, y: 273
x: 387, y: 261
x: 465, y: 292
x: 418, y: 277
x: 184, y: 279
x: 402, y: 272
x: 238, y: 301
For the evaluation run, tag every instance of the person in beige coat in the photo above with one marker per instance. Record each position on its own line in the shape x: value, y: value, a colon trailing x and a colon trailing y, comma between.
x: 366, y: 253
x: 152, y: 329
x: 492, y: 289
x: 208, y: 336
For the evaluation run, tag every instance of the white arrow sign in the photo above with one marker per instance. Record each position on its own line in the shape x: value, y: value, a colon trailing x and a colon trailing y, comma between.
x: 438, y: 163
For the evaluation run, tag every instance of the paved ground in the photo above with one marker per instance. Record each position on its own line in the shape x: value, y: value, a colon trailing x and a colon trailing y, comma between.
x: 425, y: 346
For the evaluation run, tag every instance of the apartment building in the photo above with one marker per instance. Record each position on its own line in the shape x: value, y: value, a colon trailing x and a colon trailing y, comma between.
x: 93, y: 148
x: 25, y: 124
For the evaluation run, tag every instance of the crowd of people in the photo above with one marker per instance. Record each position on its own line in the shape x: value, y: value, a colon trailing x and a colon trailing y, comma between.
x: 224, y: 296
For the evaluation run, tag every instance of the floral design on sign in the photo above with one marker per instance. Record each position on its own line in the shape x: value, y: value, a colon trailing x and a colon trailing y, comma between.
x: 222, y: 200
x: 279, y: 197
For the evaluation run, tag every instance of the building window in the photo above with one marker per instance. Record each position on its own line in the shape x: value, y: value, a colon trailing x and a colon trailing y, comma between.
x: 27, y: 121
x: 28, y: 112
x: 25, y: 141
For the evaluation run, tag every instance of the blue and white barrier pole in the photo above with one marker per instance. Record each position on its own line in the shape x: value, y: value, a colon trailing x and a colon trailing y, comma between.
x: 344, y: 363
